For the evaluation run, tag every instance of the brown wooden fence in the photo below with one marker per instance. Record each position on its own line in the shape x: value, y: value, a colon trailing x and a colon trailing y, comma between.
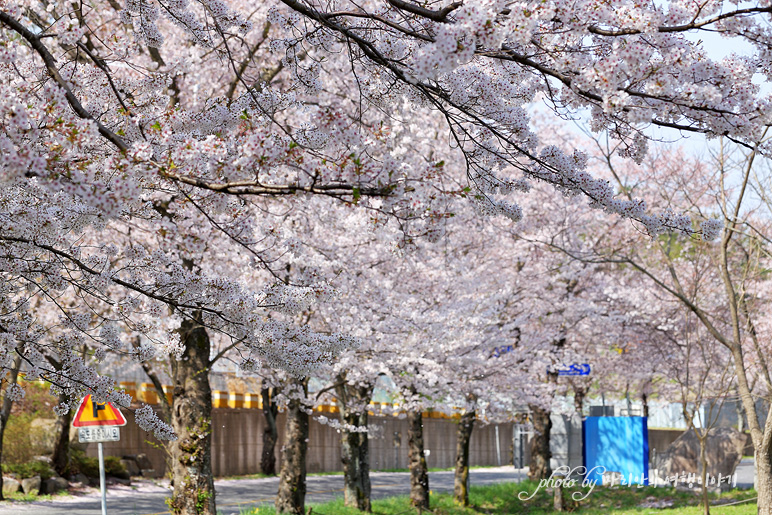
x: 237, y: 443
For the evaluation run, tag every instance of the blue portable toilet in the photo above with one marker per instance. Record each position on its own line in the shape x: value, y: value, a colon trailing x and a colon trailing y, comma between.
x: 616, y: 444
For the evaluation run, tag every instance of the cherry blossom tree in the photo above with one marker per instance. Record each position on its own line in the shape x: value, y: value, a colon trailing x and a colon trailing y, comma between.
x: 562, y: 314
x: 703, y: 376
x: 142, y: 142
x: 722, y: 285
x: 106, y: 121
x: 170, y: 241
x: 110, y: 199
x: 432, y: 335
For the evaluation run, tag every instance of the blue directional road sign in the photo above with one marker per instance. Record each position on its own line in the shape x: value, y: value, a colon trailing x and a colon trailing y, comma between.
x: 576, y: 369
x: 498, y: 351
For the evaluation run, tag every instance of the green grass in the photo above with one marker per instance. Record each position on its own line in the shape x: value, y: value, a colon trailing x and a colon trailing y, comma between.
x: 502, y: 499
x: 22, y: 497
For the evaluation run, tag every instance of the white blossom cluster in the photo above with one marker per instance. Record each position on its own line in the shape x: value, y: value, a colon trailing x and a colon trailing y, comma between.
x: 148, y: 420
x: 484, y: 61
x: 143, y: 16
x: 14, y: 392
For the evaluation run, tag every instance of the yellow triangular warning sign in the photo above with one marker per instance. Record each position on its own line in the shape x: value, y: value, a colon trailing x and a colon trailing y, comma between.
x: 97, y: 414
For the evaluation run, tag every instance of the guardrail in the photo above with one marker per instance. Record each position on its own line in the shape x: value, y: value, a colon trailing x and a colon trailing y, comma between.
x: 147, y: 393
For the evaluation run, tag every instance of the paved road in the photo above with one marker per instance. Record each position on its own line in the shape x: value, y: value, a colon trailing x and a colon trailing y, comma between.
x: 745, y: 474
x: 145, y: 498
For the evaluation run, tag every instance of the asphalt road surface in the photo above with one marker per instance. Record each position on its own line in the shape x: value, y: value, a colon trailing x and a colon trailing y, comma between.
x: 234, y: 495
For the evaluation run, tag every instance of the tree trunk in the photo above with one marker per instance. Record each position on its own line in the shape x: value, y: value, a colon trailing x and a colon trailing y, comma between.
x: 645, y: 402
x: 764, y: 480
x: 762, y: 438
x: 60, y: 460
x: 61, y: 457
x: 628, y: 402
x: 270, y: 433
x: 558, y: 496
x: 355, y: 455
x: 191, y: 453
x: 355, y: 446
x: 291, y: 497
x: 738, y: 406
x: 579, y: 394
x: 419, y: 475
x: 5, y: 411
x: 461, y: 477
x: 539, y: 467
x: 704, y: 470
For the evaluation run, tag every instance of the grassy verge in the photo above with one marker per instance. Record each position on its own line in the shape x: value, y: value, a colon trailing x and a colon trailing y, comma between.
x: 502, y: 499
x: 22, y: 497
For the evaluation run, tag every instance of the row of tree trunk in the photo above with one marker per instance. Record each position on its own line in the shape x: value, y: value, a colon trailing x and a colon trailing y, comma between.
x: 191, y: 453
x: 355, y: 458
x: 190, y: 459
x: 354, y: 445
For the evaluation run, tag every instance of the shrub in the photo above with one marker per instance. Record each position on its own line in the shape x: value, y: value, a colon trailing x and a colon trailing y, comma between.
x: 114, y: 467
x: 29, y: 469
x: 17, y: 446
x: 21, y: 441
x: 80, y: 463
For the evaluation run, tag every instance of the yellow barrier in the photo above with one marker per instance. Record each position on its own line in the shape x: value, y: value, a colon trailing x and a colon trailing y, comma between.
x: 219, y: 399
x: 235, y: 400
x: 253, y: 400
x: 147, y: 393
x: 223, y: 399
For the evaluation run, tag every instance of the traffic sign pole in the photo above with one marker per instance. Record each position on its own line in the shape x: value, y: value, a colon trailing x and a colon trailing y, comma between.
x: 98, y: 422
x: 102, y: 478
